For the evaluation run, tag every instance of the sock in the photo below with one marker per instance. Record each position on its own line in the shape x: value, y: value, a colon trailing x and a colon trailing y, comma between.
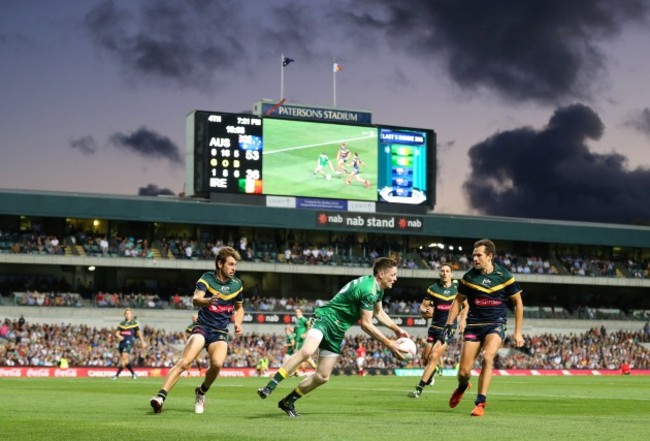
x: 420, y: 386
x: 162, y: 393
x: 203, y: 389
x: 293, y: 396
x: 462, y: 387
x: 480, y: 399
x: 280, y: 375
x: 130, y: 368
x: 119, y: 371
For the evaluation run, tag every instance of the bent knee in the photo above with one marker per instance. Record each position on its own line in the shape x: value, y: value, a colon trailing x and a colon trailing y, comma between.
x: 321, y: 379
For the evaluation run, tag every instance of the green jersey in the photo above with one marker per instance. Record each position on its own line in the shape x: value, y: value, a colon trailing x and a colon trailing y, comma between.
x: 300, y: 327
x: 323, y: 160
x: 344, y: 310
x: 290, y: 343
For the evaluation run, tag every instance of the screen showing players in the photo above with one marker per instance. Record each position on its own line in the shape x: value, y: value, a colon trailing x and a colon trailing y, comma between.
x: 246, y: 154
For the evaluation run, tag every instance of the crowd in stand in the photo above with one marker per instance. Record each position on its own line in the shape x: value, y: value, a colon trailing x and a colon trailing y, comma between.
x: 595, y: 349
x: 28, y: 344
x: 338, y: 253
x: 406, y: 305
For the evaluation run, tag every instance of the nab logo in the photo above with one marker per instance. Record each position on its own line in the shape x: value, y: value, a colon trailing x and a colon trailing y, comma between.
x: 486, y: 282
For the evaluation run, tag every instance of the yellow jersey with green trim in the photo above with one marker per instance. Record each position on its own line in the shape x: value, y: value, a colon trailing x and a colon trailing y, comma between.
x: 487, y: 295
x: 440, y: 299
x: 218, y: 315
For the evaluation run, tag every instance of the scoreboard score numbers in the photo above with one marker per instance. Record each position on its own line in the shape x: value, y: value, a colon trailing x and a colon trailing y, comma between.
x: 235, y: 153
x: 242, y: 154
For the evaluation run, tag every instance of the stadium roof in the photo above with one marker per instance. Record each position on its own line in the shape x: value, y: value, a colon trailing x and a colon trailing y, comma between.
x: 195, y: 211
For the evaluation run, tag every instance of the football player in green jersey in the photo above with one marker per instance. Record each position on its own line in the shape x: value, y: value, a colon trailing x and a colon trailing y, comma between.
x: 300, y: 328
x: 218, y: 294
x: 487, y: 287
x: 359, y: 300
x: 322, y: 161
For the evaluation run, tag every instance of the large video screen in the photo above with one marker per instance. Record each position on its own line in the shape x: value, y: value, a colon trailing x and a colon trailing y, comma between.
x: 245, y: 154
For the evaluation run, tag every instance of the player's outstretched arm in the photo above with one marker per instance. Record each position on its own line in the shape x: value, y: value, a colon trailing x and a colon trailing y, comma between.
x: 370, y: 329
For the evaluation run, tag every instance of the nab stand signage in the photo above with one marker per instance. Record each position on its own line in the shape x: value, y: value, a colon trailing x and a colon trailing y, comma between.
x: 368, y: 221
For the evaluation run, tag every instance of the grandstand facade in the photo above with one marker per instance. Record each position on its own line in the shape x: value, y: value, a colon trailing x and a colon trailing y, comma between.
x: 588, y: 271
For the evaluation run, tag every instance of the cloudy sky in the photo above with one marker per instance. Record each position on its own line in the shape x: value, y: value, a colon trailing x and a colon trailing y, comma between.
x: 542, y: 108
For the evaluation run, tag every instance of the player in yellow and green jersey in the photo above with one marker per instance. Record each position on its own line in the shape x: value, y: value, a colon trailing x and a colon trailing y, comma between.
x: 127, y: 330
x: 435, y: 306
x: 218, y: 294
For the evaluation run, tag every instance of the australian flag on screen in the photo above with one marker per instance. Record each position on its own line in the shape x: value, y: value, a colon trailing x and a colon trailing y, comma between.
x: 286, y: 61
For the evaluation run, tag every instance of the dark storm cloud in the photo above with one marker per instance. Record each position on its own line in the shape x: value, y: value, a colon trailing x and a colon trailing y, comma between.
x: 154, y: 190
x: 552, y: 174
x: 523, y: 49
x: 148, y: 144
x: 85, y: 144
x: 641, y: 121
x: 185, y: 42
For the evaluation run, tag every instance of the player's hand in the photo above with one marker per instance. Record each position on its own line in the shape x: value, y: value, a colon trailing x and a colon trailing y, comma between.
x: 518, y: 340
x: 426, y: 312
x: 395, y: 350
x: 239, y: 330
x: 447, y: 334
x: 143, y: 345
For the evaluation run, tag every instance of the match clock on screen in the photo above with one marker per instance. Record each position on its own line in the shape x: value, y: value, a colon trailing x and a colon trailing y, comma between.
x: 234, y: 153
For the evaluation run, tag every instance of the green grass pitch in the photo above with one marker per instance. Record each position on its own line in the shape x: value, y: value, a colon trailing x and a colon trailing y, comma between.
x: 291, y: 151
x: 347, y: 408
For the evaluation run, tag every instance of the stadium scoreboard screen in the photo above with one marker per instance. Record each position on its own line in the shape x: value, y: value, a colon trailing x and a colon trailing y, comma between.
x: 242, y: 154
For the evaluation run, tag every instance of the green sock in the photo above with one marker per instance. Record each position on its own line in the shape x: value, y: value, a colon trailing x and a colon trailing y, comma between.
x: 280, y: 375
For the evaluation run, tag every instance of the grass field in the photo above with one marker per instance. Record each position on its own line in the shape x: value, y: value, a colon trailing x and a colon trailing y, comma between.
x: 348, y: 408
x: 291, y: 151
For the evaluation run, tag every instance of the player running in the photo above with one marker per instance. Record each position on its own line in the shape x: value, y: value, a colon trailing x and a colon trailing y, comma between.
x: 359, y: 300
x: 487, y: 287
x: 436, y: 306
x: 342, y: 157
x: 356, y: 165
x: 321, y: 162
x: 126, y: 332
x: 218, y: 294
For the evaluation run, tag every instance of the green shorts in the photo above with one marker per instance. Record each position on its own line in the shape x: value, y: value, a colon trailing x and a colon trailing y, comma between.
x: 333, y: 335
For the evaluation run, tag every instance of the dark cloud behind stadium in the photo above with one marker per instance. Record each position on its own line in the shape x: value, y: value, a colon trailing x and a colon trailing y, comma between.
x: 154, y: 190
x: 524, y: 50
x: 551, y: 173
x: 147, y: 144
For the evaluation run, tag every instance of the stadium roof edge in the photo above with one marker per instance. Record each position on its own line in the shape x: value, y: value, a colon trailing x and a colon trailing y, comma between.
x: 174, y: 209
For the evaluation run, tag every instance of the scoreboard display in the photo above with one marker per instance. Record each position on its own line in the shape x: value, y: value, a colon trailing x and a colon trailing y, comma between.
x: 242, y: 154
x: 234, y: 151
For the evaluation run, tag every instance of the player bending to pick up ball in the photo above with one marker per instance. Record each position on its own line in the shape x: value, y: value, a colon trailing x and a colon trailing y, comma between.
x: 359, y: 299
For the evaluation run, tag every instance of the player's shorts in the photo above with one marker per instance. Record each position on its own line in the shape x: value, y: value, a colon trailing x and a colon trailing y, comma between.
x: 332, y: 334
x: 434, y: 334
x: 477, y: 333
x: 211, y: 335
x: 125, y: 347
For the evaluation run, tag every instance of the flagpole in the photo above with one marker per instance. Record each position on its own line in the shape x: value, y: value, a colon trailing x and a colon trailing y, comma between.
x: 334, y: 81
x: 282, y: 76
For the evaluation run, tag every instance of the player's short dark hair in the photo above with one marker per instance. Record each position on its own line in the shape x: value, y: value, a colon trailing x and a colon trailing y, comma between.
x: 382, y: 264
x: 490, y: 248
x: 224, y: 253
x: 447, y: 265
